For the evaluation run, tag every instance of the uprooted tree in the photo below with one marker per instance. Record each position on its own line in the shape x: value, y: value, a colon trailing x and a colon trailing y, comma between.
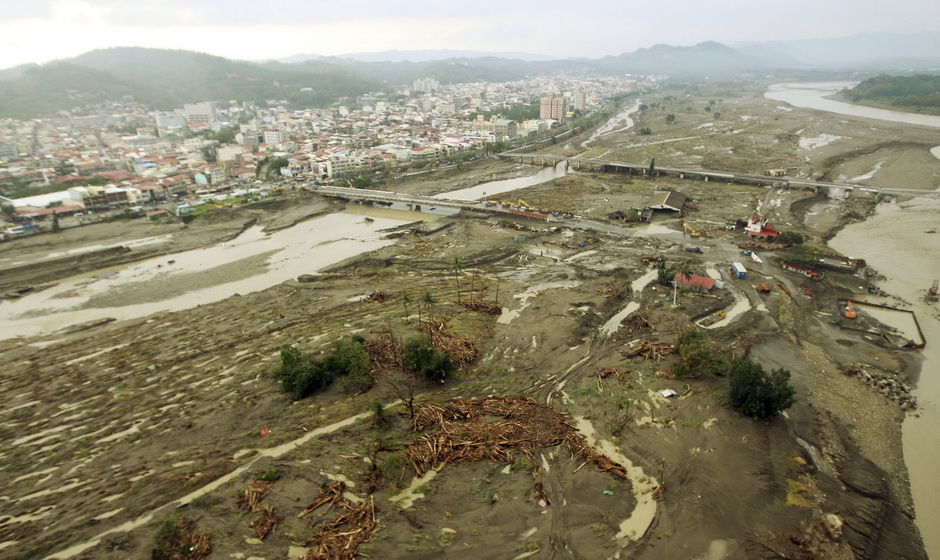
x: 759, y: 394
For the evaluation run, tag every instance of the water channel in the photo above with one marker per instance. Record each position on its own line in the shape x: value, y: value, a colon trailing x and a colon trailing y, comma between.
x: 908, y: 260
x: 251, y: 262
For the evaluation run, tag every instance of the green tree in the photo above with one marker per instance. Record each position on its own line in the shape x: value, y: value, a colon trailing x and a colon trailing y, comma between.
x: 696, y: 356
x: 790, y: 238
x: 405, y: 300
x: 670, y: 118
x: 458, y: 266
x: 55, y: 223
x: 652, y: 169
x: 428, y: 300
x: 646, y: 131
x: 420, y: 357
x: 757, y: 394
x: 717, y: 114
x: 664, y: 274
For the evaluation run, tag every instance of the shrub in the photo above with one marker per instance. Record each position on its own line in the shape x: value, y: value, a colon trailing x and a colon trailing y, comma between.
x: 790, y: 238
x: 302, y: 374
x: 757, y: 394
x: 696, y: 356
x: 426, y: 361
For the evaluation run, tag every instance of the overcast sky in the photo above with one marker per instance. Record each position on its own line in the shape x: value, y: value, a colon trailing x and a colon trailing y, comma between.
x: 42, y: 30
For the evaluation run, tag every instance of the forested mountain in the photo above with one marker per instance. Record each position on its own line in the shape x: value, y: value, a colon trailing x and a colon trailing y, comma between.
x: 168, y: 78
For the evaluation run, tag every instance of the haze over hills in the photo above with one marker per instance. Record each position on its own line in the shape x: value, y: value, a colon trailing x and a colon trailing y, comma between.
x: 168, y: 78
x: 864, y: 51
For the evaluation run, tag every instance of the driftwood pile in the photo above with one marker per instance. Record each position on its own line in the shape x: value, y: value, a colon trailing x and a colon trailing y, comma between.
x: 251, y: 497
x: 340, y: 537
x: 464, y: 434
x: 636, y: 323
x: 266, y: 522
x: 250, y: 500
x: 377, y: 296
x: 650, y: 350
x: 187, y: 543
x: 613, y: 292
x: 482, y: 306
x: 460, y: 349
x: 384, y: 351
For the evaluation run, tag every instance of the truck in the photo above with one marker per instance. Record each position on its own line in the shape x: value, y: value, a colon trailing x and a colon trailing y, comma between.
x: 738, y: 270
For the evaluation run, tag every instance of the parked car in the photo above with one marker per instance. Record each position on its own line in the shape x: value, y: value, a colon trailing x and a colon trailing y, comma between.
x: 693, y: 249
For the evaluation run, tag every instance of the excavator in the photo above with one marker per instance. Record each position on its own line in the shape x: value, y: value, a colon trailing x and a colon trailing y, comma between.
x: 849, y: 312
x: 691, y: 231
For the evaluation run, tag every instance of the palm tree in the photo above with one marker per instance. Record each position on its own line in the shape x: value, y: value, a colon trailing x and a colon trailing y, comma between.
x: 405, y: 300
x: 457, y: 267
x: 428, y: 300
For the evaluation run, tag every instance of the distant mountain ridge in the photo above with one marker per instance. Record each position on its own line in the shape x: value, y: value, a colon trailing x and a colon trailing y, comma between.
x: 168, y: 78
x: 864, y: 51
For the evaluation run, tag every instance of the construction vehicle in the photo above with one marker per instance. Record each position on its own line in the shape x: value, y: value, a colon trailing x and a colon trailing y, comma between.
x: 762, y: 288
x: 691, y: 231
x: 849, y: 312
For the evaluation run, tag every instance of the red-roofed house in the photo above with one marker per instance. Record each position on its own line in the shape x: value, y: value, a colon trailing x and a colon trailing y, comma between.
x: 694, y: 282
x: 758, y: 227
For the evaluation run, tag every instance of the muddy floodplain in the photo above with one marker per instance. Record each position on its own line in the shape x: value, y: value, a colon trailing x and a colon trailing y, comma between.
x: 115, y: 427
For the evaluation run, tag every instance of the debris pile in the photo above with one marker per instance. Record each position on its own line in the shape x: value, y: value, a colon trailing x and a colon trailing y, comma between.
x: 891, y: 385
x: 340, y: 537
x: 377, y: 296
x: 613, y: 292
x: 250, y: 501
x: 635, y: 323
x: 650, y: 350
x: 187, y: 542
x: 464, y: 433
x: 266, y: 522
x: 460, y: 349
x: 482, y: 306
x: 251, y: 497
x: 384, y: 351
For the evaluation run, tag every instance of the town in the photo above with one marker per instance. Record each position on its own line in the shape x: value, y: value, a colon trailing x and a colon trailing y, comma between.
x: 108, y: 160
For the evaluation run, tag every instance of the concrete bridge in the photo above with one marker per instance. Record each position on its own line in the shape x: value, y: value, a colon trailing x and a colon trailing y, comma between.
x: 416, y: 202
x: 606, y: 166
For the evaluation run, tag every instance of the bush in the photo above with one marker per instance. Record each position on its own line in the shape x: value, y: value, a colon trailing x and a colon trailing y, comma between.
x: 426, y: 361
x: 302, y: 374
x: 646, y: 131
x: 757, y: 394
x: 790, y: 238
x: 696, y: 356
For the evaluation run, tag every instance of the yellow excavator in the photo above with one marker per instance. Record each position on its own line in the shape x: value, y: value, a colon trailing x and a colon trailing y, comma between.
x: 692, y: 231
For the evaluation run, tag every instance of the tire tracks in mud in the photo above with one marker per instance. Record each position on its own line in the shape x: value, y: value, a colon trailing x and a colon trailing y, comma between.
x: 559, y: 539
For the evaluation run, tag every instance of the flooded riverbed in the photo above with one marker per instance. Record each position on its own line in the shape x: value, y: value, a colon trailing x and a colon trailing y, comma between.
x: 251, y: 262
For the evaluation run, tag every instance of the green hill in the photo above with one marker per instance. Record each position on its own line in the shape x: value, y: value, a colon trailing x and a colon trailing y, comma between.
x: 910, y: 92
x: 169, y: 78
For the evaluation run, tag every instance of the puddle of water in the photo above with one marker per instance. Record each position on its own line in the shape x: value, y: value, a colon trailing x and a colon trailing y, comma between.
x: 741, y: 305
x: 613, y: 324
x: 635, y: 526
x: 508, y: 315
x: 406, y: 498
x: 900, y: 320
x: 818, y: 141
x: 869, y: 175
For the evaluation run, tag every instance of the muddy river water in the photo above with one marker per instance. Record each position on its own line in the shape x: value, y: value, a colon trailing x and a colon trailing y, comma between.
x: 896, y: 243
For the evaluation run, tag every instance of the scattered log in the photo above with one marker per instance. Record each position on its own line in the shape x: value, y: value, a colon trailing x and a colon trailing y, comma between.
x: 650, y: 351
x: 266, y: 522
x: 251, y: 497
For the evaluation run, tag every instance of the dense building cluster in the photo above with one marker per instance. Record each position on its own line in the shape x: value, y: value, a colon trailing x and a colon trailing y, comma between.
x: 123, y: 153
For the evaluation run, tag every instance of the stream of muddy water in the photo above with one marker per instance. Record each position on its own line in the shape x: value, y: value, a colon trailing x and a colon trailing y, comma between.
x: 897, y: 242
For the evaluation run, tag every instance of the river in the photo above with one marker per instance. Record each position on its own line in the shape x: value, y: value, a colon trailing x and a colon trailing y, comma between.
x: 907, y: 257
x: 251, y: 262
